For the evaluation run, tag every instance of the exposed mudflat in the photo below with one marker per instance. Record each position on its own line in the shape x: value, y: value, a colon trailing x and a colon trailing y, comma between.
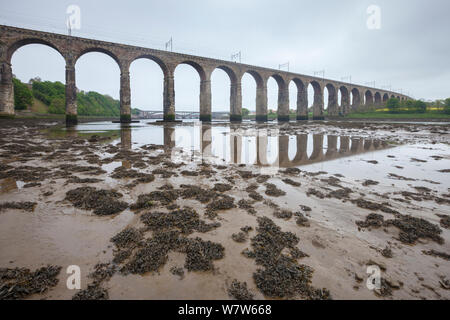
x: 292, y: 211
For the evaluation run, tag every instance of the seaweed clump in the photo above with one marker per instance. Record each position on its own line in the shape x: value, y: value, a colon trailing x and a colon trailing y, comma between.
x: 170, y: 231
x: 281, y: 275
x: 187, y: 220
x: 239, y: 291
x: 273, y: 191
x: 103, y: 202
x: 27, y: 206
x: 411, y: 228
x: 19, y: 283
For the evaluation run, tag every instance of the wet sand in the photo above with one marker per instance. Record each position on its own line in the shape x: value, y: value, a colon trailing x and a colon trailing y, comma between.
x: 42, y: 168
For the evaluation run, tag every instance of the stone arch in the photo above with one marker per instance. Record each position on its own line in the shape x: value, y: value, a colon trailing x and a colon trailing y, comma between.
x: 261, y: 94
x: 377, y: 99
x: 201, y: 70
x: 155, y: 79
x: 120, y: 77
x: 257, y: 76
x: 158, y: 61
x: 345, y: 100
x: 7, y: 105
x: 99, y: 50
x: 205, y: 88
x: 26, y: 41
x: 302, y: 99
x: 332, y: 100
x: 283, y: 97
x: 392, y: 96
x: 229, y: 71
x: 385, y: 98
x: 368, y: 98
x: 356, y: 99
x: 318, y: 100
x: 235, y: 93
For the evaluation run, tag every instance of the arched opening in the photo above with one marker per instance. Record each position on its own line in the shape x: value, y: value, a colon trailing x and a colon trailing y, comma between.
x: 147, y: 87
x: 317, y: 105
x: 331, y: 96
x: 225, y: 101
x: 39, y: 83
x: 248, y: 84
x: 385, y: 98
x: 345, y: 100
x: 272, y: 97
x: 392, y: 96
x: 368, y: 101
x: 98, y: 81
x: 356, y: 99
x: 378, y: 99
x: 293, y: 95
x: 281, y: 99
x: 188, y: 77
x: 261, y: 94
x: 24, y: 42
x: 298, y: 97
x: 219, y: 96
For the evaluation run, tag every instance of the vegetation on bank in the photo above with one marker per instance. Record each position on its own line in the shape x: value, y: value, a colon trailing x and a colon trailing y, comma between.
x: 409, y: 109
x: 49, y: 97
x: 46, y: 97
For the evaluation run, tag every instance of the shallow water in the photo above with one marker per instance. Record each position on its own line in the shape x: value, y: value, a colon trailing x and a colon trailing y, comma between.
x: 269, y: 149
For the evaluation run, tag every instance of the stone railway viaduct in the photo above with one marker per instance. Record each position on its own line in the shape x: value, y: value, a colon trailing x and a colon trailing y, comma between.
x: 72, y: 48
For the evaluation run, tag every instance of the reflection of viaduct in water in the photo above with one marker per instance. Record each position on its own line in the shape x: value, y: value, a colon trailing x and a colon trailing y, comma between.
x: 348, y: 146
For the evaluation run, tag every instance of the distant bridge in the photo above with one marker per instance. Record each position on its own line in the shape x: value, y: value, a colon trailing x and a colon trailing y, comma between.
x: 72, y: 48
x: 180, y: 114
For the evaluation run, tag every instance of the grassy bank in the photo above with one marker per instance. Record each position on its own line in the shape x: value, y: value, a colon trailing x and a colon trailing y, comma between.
x: 387, y: 115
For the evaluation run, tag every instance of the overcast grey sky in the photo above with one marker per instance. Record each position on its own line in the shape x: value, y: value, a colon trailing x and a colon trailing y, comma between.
x: 411, y: 50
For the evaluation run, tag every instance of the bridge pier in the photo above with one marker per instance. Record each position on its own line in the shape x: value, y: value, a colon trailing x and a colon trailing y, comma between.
x: 6, y: 90
x: 283, y: 104
x: 236, y: 102
x: 169, y: 98
x: 71, y: 95
x: 345, y: 103
x: 318, y: 104
x: 302, y: 104
x: 261, y: 103
x: 205, y: 100
x: 332, y: 104
x: 125, y: 96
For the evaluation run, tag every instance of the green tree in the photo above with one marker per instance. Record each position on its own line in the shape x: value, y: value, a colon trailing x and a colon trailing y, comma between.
x: 23, y: 97
x: 57, y: 106
x: 447, y: 106
x: 419, y: 106
x: 393, y: 104
x: 245, y: 112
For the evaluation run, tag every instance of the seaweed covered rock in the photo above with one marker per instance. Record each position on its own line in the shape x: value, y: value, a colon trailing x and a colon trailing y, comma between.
x: 281, y: 275
x: 19, y: 283
x: 239, y: 291
x: 412, y: 228
x: 187, y: 220
x: 372, y: 220
x: 103, y: 202
x: 26, y: 206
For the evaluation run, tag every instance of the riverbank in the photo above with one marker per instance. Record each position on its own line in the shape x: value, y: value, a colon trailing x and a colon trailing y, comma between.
x: 146, y: 216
